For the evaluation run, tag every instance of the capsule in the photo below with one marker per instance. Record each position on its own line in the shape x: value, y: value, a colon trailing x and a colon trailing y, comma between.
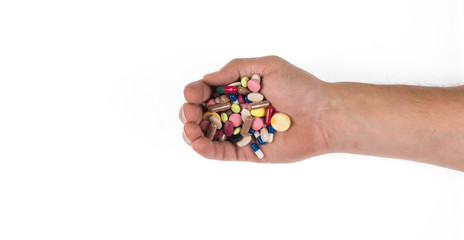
x: 246, y: 126
x: 226, y: 89
x: 243, y: 90
x: 257, y: 151
x: 258, y: 137
x: 246, y: 99
x: 260, y: 104
x: 219, y: 107
x: 269, y: 113
x: 233, y: 98
x: 222, y: 99
x: 211, y: 130
x: 270, y: 130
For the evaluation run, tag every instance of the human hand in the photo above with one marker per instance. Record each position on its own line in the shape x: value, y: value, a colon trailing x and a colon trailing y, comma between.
x: 290, y: 89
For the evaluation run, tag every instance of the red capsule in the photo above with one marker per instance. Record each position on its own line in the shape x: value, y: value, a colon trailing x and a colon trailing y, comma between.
x: 269, y: 113
x: 230, y: 89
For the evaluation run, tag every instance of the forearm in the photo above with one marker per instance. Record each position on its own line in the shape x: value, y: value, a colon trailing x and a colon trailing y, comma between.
x: 424, y: 124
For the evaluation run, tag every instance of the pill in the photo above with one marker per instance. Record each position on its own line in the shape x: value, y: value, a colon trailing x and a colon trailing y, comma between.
x: 246, y: 99
x: 210, y: 102
x: 257, y: 123
x: 257, y: 151
x: 241, y: 99
x: 235, y: 108
x: 270, y: 130
x: 226, y: 89
x: 280, y: 122
x: 254, y: 85
x: 251, y: 131
x: 245, y: 113
x: 204, y: 125
x: 233, y: 98
x: 260, y: 104
x: 219, y: 107
x: 258, y: 137
x: 245, y: 141
x: 260, y: 112
x: 223, y: 138
x: 264, y: 134
x: 257, y: 77
x: 206, y: 115
x: 269, y: 113
x: 237, y: 130
x: 246, y: 126
x: 224, y: 117
x: 235, y: 138
x: 244, y: 105
x: 242, y: 90
x: 229, y: 112
x: 228, y: 128
x: 236, y: 119
x: 215, y: 120
x: 235, y: 84
x: 255, y: 97
x: 211, y: 130
x: 222, y: 99
x: 218, y: 134
x: 244, y: 81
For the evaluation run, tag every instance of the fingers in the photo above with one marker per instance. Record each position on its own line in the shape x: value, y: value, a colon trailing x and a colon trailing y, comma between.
x: 190, y: 113
x: 197, y: 92
x: 239, y: 67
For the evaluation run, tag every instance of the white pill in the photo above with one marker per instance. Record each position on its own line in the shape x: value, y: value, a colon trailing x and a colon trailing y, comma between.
x: 264, y: 134
x: 235, y: 84
x: 255, y: 97
x: 245, y: 113
x: 245, y: 141
x: 257, y: 77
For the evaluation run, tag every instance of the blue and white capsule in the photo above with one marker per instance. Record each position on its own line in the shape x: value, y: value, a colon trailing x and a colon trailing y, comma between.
x: 233, y: 98
x: 270, y: 129
x: 257, y: 151
x: 258, y: 137
x: 246, y: 99
x: 251, y: 131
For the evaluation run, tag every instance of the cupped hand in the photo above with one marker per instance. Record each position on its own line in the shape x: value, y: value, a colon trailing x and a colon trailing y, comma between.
x: 290, y: 90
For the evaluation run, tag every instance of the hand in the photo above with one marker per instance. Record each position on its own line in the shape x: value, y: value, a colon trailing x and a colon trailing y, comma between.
x: 289, y: 89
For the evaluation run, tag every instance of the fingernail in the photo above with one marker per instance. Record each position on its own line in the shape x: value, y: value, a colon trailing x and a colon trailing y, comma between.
x: 182, y: 115
x: 186, y: 138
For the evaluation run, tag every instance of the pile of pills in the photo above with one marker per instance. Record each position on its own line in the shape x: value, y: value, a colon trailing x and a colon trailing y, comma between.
x: 239, y: 113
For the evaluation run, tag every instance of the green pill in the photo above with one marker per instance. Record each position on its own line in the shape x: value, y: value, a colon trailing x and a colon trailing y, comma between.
x: 235, y: 108
x: 244, y: 81
x: 224, y: 117
x: 237, y: 130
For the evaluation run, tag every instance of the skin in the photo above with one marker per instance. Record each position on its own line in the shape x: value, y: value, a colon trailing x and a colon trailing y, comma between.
x: 423, y: 124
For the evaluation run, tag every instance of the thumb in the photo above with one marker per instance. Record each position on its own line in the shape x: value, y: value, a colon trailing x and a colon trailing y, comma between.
x: 238, y: 68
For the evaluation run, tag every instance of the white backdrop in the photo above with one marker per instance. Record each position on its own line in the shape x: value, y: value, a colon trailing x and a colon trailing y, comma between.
x: 91, y: 146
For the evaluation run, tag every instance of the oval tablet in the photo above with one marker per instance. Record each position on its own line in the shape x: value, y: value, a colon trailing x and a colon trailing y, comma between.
x: 228, y: 128
x: 245, y: 141
x: 245, y: 113
x: 264, y: 134
x: 280, y: 122
x: 236, y: 119
x: 255, y: 97
x: 254, y: 85
x: 260, y: 112
x: 208, y: 114
x: 257, y: 123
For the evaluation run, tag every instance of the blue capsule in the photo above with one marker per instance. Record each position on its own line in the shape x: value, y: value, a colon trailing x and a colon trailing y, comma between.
x: 257, y: 151
x: 246, y: 99
x: 258, y: 137
x: 251, y: 131
x: 270, y: 129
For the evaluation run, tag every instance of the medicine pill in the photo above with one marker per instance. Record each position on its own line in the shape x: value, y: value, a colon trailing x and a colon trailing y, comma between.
x: 280, y: 122
x: 239, y: 113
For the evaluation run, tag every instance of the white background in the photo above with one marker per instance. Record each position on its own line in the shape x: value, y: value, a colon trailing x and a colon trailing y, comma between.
x: 91, y: 146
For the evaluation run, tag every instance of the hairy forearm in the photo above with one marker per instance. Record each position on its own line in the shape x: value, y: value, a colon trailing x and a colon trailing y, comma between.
x: 424, y: 124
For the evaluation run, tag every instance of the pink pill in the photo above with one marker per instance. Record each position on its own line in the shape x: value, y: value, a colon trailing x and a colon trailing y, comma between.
x: 228, y: 128
x: 218, y: 134
x: 204, y: 125
x: 254, y: 85
x: 210, y: 102
x: 241, y: 99
x: 244, y: 106
x: 236, y: 119
x: 257, y: 123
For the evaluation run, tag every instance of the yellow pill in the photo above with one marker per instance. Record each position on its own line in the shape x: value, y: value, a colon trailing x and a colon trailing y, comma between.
x: 260, y: 112
x: 208, y: 114
x: 280, y: 122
